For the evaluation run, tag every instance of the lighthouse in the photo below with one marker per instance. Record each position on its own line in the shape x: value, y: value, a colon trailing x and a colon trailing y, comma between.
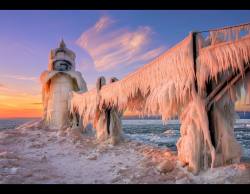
x: 58, y: 82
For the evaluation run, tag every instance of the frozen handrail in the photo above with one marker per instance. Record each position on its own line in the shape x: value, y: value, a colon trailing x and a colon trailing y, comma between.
x: 224, y: 28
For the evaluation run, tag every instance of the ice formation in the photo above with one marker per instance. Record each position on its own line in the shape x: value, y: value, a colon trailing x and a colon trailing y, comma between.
x: 106, y: 120
x: 197, y: 80
x: 195, y: 136
x: 100, y: 119
x: 165, y: 82
x: 222, y: 57
x: 222, y: 62
x: 114, y: 122
x: 58, y: 82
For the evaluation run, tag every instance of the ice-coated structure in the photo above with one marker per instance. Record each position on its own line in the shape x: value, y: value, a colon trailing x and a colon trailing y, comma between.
x: 197, y: 80
x: 107, y: 120
x: 100, y: 119
x: 58, y: 82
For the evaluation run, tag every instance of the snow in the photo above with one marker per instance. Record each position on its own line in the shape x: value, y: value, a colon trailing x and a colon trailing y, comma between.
x: 30, y: 154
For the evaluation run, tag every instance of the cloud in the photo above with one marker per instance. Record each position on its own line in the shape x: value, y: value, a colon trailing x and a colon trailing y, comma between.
x: 109, y: 47
x: 21, y: 77
x: 37, y: 103
x: 2, y: 86
x: 19, y: 91
x: 148, y: 55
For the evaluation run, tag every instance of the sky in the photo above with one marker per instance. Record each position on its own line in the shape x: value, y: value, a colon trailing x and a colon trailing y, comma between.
x: 107, y: 43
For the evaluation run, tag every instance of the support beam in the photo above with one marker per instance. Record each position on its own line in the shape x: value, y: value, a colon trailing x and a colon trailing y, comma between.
x: 209, y: 89
x: 194, y: 59
x: 218, y: 88
x: 221, y: 89
x: 216, y: 94
x: 107, y: 112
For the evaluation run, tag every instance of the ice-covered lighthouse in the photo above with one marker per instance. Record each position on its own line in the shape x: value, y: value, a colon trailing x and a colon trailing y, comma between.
x: 58, y: 82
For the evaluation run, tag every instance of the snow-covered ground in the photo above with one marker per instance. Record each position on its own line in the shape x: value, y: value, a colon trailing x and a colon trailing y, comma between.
x: 30, y: 154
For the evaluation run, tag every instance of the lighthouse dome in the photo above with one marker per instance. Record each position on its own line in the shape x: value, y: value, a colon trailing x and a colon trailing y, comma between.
x: 62, y: 58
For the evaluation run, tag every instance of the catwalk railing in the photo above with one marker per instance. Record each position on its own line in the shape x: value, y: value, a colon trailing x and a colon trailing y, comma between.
x: 198, y: 80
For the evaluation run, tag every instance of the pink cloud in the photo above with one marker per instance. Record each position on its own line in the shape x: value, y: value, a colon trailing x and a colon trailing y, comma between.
x: 148, y: 55
x: 2, y: 86
x: 21, y: 77
x: 103, y: 23
x: 114, y: 47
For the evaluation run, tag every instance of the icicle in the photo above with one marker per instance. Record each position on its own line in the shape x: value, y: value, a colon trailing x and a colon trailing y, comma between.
x: 138, y: 90
x: 166, y: 87
x: 228, y: 33
x: 222, y: 57
x: 194, y: 135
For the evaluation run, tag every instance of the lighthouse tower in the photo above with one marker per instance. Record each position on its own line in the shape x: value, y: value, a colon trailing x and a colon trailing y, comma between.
x: 58, y: 82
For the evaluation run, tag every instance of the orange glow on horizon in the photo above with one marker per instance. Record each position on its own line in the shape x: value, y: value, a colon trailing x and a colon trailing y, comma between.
x: 30, y: 106
x: 242, y: 107
x: 20, y: 106
x: 20, y: 113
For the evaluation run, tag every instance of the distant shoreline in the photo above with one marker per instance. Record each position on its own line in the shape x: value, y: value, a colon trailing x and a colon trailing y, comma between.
x: 12, y: 118
x: 244, y: 114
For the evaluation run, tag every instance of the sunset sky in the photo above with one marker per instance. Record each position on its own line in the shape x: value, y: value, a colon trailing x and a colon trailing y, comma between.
x: 108, y: 43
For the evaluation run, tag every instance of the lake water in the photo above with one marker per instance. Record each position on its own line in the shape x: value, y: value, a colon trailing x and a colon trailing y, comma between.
x: 153, y: 132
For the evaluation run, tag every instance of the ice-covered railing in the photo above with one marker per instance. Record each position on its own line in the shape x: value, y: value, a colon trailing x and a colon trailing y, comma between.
x: 170, y: 85
x: 163, y: 85
x: 160, y: 87
x: 221, y: 59
x: 230, y: 33
x: 220, y: 50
